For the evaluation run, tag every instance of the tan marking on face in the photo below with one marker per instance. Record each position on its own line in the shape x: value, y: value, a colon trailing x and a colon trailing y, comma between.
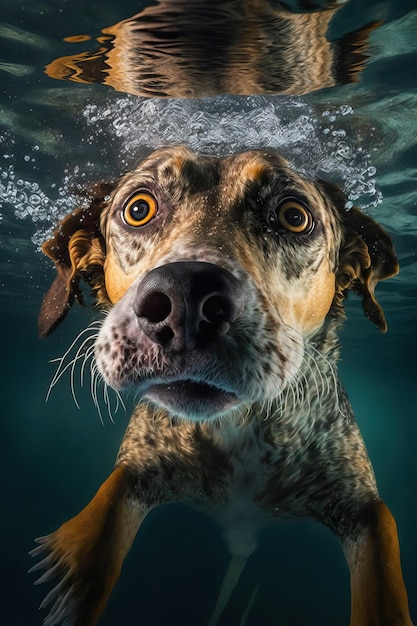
x: 253, y: 171
x: 117, y: 281
x: 300, y: 307
x: 177, y: 163
x: 310, y: 308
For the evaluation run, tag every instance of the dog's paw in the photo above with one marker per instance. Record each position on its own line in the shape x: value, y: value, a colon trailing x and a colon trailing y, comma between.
x: 85, y: 555
x: 65, y: 598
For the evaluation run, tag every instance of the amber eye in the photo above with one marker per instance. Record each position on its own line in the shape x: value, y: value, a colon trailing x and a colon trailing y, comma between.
x: 139, y: 209
x: 294, y: 217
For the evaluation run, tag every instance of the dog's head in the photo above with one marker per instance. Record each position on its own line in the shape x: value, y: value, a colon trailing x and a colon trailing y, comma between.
x: 217, y: 272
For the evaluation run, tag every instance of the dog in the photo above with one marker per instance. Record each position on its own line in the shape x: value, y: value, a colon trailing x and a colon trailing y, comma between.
x: 224, y: 280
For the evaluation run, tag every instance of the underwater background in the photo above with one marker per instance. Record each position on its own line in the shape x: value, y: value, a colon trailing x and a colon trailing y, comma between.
x: 58, y: 136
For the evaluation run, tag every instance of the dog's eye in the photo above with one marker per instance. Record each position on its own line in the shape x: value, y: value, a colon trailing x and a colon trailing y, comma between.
x: 139, y: 209
x: 294, y: 217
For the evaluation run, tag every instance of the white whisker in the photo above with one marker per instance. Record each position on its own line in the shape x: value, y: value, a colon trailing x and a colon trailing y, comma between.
x: 119, y: 401
x: 78, y: 355
x: 332, y: 379
x: 72, y: 381
x: 58, y: 374
x: 107, y: 401
x: 82, y: 348
x: 95, y: 379
x: 87, y: 354
x: 61, y: 360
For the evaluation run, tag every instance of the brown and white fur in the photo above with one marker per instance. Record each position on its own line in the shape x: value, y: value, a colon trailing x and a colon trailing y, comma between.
x: 225, y: 280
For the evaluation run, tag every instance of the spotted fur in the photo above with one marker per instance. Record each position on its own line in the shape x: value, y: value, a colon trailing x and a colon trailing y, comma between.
x: 252, y: 425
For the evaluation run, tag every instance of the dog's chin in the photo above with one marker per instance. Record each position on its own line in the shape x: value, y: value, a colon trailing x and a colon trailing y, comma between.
x: 192, y: 400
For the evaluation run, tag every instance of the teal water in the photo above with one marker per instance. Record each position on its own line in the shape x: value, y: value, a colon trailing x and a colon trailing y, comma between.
x: 55, y: 135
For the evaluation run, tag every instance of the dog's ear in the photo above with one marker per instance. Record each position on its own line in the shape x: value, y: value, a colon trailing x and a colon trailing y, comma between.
x: 367, y: 256
x: 78, y: 251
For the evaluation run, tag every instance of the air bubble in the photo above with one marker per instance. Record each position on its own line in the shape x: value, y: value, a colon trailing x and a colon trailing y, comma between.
x: 34, y: 199
x: 345, y: 109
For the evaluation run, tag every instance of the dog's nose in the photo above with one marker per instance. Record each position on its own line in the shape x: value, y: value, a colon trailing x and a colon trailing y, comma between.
x: 188, y: 304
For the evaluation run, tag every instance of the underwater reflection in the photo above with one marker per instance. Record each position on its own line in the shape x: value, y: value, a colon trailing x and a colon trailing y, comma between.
x: 205, y: 48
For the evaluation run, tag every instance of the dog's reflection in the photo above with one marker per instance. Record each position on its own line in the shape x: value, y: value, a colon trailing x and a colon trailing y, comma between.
x: 200, y: 48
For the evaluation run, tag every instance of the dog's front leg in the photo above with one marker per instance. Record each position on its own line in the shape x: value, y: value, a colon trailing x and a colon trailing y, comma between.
x: 379, y: 597
x: 86, y: 553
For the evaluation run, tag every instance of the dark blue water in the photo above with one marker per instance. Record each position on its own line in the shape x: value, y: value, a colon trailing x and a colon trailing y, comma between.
x: 55, y: 135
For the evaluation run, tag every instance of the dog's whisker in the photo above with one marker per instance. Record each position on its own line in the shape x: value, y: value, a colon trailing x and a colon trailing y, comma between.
x: 318, y: 377
x: 63, y: 366
x: 95, y: 377
x: 117, y: 403
x: 72, y: 385
x: 307, y: 381
x: 58, y: 375
x: 78, y: 356
x: 98, y: 379
x: 55, y: 360
x: 85, y: 342
x: 87, y: 355
x: 84, y: 352
x: 107, y: 400
x: 96, y: 382
x: 119, y: 400
x: 333, y: 375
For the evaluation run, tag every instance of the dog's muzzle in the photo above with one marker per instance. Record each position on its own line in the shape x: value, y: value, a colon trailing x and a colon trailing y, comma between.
x: 187, y: 305
x: 187, y: 308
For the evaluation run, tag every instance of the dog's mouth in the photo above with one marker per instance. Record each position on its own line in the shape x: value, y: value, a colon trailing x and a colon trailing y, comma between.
x: 192, y: 399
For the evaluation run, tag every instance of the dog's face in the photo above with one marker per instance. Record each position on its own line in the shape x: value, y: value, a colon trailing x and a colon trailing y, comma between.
x: 217, y: 273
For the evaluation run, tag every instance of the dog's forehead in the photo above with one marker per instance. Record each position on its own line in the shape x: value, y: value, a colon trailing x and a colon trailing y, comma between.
x: 181, y: 164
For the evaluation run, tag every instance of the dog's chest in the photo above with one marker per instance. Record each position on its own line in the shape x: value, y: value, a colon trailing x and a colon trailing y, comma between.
x: 262, y: 473
x: 240, y: 482
x: 250, y: 471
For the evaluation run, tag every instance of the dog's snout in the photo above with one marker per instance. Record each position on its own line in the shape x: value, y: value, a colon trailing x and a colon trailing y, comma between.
x: 188, y: 304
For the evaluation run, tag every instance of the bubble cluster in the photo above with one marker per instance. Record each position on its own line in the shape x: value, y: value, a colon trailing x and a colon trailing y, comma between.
x: 346, y: 158
x: 28, y: 201
x: 26, y: 197
x: 327, y: 144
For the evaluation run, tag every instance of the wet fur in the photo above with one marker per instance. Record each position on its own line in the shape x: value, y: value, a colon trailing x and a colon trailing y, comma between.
x: 289, y: 446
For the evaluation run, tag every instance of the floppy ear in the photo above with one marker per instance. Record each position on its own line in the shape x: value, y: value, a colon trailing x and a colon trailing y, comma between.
x: 78, y: 251
x: 366, y: 257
